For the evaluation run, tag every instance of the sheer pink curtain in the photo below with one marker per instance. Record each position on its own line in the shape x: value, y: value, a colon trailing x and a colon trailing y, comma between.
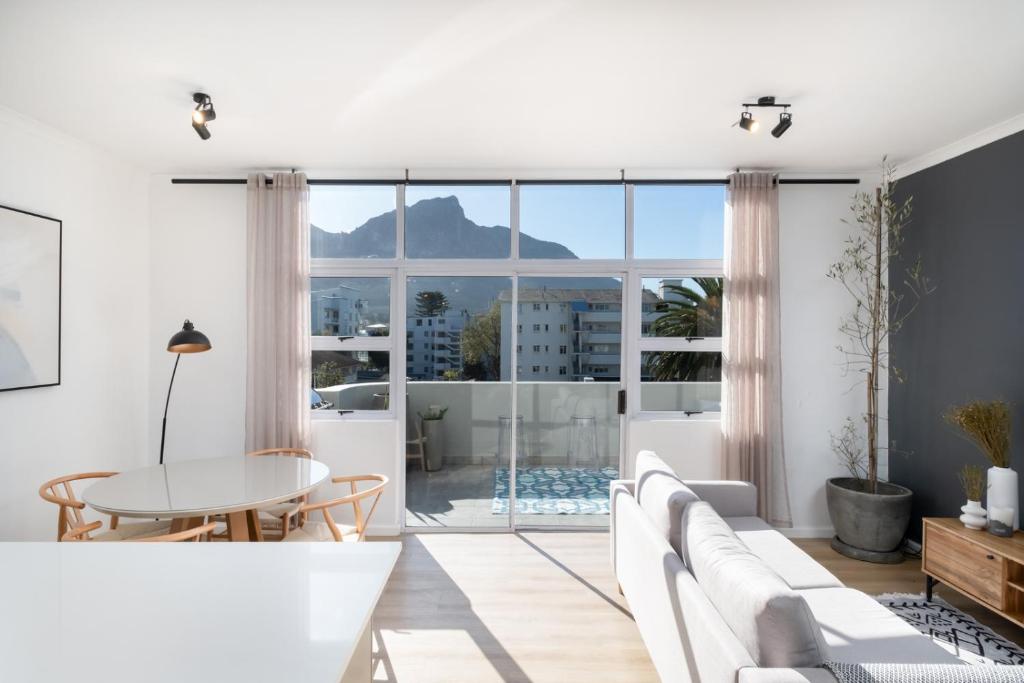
x: 751, y: 370
x: 277, y: 377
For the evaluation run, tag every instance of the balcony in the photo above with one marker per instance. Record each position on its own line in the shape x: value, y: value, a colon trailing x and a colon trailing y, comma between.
x: 568, y: 485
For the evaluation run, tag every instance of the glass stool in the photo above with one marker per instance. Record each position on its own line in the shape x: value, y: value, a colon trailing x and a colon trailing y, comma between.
x: 505, y: 440
x: 582, y: 441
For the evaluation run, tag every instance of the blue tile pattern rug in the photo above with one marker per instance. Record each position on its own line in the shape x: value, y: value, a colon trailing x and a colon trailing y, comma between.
x: 554, y: 490
x: 953, y: 630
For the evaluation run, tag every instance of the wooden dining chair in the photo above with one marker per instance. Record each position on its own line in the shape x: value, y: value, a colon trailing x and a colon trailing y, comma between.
x: 329, y: 530
x: 60, y: 492
x: 415, y: 447
x: 280, y: 513
x: 82, y: 533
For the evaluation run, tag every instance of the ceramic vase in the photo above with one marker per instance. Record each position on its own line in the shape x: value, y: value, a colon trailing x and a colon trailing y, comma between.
x: 974, y: 515
x: 1002, y: 491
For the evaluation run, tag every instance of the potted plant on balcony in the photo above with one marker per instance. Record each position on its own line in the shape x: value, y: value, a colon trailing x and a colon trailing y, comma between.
x: 871, y: 517
x: 434, y: 435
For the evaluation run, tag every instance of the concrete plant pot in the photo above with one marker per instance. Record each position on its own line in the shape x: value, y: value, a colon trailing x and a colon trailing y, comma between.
x: 869, y: 526
x: 433, y: 430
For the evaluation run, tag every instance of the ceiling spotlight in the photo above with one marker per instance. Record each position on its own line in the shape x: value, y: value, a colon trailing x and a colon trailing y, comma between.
x: 785, y: 121
x: 202, y: 114
x: 748, y: 122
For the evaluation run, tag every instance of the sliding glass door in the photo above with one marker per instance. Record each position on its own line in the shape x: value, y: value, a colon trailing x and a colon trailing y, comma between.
x: 568, y: 377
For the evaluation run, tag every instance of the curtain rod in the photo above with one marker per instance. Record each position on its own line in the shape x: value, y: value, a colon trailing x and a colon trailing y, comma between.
x: 402, y: 181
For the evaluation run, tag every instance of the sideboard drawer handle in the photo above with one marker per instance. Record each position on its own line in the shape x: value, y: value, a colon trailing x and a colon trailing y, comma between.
x: 990, y: 557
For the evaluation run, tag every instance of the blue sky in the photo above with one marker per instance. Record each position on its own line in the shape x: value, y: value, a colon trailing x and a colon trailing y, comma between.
x: 671, y: 221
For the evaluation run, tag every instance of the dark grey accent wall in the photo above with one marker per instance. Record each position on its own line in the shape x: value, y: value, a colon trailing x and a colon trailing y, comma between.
x: 966, y: 340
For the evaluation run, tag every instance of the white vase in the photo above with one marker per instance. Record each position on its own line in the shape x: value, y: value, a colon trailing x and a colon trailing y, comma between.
x: 974, y: 516
x: 1002, y: 491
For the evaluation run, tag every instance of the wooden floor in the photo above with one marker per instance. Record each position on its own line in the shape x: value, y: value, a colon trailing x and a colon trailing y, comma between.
x: 539, y: 606
x: 543, y: 606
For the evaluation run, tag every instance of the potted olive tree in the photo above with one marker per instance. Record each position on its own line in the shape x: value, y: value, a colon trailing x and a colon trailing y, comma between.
x: 871, y: 517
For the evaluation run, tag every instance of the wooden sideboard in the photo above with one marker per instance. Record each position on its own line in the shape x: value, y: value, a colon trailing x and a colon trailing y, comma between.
x: 986, y: 568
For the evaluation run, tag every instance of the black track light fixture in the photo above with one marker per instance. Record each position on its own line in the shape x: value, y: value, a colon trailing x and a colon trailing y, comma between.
x: 785, y: 121
x: 748, y: 123
x: 202, y: 114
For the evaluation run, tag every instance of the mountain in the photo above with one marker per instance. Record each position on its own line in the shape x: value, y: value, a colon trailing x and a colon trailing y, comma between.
x: 438, y: 228
x: 434, y: 228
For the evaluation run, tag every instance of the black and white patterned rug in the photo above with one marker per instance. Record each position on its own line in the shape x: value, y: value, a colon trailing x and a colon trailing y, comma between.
x: 952, y: 629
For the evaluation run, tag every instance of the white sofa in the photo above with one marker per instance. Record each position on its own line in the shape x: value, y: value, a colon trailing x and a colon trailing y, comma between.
x: 746, y: 605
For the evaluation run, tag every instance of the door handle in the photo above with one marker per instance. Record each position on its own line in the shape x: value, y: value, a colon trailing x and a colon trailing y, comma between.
x: 622, y: 401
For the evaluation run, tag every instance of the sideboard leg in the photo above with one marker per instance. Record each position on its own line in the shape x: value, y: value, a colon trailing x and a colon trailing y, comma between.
x: 929, y: 583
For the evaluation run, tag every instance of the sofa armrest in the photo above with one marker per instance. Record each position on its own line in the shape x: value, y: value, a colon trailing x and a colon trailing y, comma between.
x: 780, y: 675
x: 728, y: 498
x: 617, y: 487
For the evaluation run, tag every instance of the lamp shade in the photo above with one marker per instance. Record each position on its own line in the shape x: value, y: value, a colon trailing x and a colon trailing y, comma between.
x: 189, y: 340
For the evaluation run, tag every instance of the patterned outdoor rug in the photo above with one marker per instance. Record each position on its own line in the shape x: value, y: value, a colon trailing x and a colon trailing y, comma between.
x: 554, y: 490
x: 954, y: 630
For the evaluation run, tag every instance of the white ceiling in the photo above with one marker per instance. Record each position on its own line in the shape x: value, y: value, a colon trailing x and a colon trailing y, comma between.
x: 494, y: 84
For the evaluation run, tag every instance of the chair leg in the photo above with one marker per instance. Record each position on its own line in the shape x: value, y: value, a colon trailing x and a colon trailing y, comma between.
x: 286, y: 523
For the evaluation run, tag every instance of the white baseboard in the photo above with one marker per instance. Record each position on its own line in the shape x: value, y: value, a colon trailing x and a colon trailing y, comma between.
x: 383, y: 530
x: 808, y: 532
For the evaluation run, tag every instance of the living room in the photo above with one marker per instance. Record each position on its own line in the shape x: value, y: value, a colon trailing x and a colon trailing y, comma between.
x: 557, y: 341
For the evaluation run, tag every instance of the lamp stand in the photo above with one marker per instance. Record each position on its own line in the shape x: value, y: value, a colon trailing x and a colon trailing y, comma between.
x: 163, y: 429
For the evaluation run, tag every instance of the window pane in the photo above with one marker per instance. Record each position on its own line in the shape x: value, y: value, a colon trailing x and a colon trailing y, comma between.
x: 352, y: 221
x: 350, y: 306
x: 681, y: 381
x: 678, y: 221
x: 350, y: 380
x: 572, y: 221
x: 455, y: 328
x: 459, y: 411
x: 570, y: 329
x: 681, y: 307
x: 465, y: 221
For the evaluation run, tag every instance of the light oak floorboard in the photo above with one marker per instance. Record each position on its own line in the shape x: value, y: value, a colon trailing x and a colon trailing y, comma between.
x: 875, y: 579
x: 531, y: 606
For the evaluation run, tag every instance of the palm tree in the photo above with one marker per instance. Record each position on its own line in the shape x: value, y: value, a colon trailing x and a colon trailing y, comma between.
x: 688, y: 312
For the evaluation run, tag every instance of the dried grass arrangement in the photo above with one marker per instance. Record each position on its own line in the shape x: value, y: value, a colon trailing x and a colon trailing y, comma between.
x: 972, y: 478
x: 987, y: 424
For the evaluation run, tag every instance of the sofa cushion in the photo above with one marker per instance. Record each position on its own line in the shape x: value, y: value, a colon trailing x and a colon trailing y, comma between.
x: 859, y: 629
x: 797, y: 568
x: 662, y: 496
x: 770, y: 619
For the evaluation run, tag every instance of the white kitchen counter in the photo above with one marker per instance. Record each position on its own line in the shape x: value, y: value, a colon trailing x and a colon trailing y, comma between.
x: 189, y: 612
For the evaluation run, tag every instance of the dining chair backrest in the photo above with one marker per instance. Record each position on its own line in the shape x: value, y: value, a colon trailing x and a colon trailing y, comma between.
x: 293, y: 452
x: 355, y: 498
x: 81, y: 533
x: 60, y: 492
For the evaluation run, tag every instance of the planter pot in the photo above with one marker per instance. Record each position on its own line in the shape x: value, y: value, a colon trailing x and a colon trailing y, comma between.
x: 974, y: 516
x: 434, y: 433
x: 1002, y: 491
x: 869, y: 526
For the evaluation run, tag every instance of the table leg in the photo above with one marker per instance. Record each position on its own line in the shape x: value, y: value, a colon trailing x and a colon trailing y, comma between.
x: 929, y: 584
x: 238, y: 526
x: 252, y: 518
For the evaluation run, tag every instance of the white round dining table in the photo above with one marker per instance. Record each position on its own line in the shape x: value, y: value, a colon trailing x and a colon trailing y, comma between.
x: 189, y: 491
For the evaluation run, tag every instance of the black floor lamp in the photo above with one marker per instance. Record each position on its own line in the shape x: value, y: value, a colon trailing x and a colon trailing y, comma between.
x: 189, y: 340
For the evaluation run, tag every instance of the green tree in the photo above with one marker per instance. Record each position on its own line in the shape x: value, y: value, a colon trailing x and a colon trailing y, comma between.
x: 327, y: 374
x: 481, y: 343
x: 688, y: 312
x: 430, y: 304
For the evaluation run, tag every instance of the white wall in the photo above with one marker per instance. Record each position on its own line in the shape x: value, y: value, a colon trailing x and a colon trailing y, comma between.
x: 95, y: 420
x: 816, y: 395
x: 197, y: 255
